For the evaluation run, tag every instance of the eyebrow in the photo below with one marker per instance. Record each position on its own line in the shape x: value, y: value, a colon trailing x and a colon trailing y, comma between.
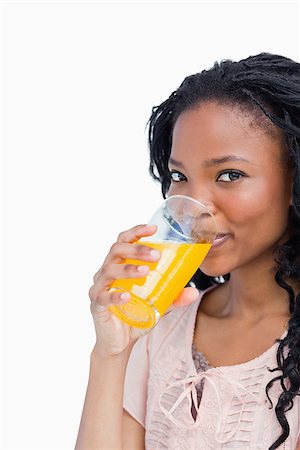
x: 214, y: 161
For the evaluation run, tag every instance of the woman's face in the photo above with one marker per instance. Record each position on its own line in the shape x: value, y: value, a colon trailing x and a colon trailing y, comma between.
x: 221, y: 157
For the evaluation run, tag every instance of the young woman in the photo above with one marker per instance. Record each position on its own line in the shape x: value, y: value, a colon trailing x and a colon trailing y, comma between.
x: 221, y: 369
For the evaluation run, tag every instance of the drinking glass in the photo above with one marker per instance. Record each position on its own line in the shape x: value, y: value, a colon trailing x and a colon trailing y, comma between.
x: 185, y: 232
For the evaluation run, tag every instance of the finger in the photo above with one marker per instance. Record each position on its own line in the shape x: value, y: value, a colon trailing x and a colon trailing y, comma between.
x: 112, y: 272
x: 96, y: 276
x: 100, y: 301
x: 120, y: 251
x: 188, y: 296
x: 129, y: 236
x: 133, y: 234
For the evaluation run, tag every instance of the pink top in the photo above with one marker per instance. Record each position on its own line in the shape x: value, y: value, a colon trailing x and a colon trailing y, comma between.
x: 161, y: 394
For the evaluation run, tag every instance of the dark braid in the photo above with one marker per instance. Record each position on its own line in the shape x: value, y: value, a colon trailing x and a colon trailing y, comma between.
x: 266, y: 86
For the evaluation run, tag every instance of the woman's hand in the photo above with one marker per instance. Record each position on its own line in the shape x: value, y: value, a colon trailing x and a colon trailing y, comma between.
x: 112, y: 335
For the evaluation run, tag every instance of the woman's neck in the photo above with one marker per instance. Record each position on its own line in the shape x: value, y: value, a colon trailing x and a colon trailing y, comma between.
x: 255, y: 297
x: 252, y: 293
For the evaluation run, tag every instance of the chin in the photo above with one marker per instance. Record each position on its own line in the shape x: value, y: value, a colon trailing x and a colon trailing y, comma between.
x: 215, y: 270
x: 214, y: 274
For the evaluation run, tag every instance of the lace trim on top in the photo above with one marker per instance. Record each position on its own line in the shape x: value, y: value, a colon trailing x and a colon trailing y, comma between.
x: 201, y: 365
x: 200, y: 360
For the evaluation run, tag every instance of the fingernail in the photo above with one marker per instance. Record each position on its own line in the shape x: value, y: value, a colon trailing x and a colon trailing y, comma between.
x: 142, y: 269
x: 125, y: 296
x: 155, y: 254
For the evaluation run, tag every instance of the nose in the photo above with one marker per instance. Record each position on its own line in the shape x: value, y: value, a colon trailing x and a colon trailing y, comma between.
x: 209, y: 205
x: 204, y: 196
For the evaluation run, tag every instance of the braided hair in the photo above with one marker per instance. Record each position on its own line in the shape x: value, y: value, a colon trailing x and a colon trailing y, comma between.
x: 268, y: 87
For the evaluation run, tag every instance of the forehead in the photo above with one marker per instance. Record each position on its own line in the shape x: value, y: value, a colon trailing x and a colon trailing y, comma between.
x: 214, y: 130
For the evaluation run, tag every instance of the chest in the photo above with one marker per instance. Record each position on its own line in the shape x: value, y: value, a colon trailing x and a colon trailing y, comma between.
x: 233, y: 411
x: 226, y: 343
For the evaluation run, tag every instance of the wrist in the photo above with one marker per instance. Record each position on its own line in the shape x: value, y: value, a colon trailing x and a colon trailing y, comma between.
x: 101, y: 355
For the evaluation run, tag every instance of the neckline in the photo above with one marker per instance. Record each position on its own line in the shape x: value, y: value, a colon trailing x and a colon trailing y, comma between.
x: 190, y: 340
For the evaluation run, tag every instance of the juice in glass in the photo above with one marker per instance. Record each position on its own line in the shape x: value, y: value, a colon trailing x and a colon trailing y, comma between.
x: 152, y: 295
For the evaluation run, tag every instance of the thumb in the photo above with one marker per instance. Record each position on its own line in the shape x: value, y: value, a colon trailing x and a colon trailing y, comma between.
x: 188, y: 296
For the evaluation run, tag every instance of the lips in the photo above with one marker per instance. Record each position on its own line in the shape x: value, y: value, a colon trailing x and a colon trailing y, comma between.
x: 220, y: 239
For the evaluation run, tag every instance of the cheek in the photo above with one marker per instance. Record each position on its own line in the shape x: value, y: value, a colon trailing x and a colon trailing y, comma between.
x: 256, y: 225
x: 261, y: 212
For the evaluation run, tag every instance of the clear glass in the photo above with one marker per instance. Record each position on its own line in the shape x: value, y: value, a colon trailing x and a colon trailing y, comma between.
x: 185, y: 233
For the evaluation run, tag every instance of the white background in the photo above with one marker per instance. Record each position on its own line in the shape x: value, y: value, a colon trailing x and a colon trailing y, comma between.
x: 79, y: 82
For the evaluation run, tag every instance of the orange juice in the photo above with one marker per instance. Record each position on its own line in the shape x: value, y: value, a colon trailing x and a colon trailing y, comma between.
x: 152, y: 295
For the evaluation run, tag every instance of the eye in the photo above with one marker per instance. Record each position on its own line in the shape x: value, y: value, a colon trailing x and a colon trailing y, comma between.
x: 229, y: 175
x: 176, y: 177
